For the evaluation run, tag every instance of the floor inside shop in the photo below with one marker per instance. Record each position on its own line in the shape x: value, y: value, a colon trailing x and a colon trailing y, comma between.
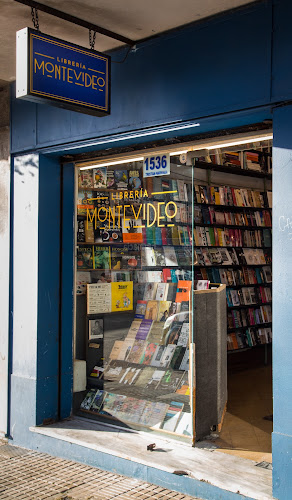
x: 247, y: 425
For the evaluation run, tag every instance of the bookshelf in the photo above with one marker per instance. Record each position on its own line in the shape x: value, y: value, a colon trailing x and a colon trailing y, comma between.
x: 237, y: 219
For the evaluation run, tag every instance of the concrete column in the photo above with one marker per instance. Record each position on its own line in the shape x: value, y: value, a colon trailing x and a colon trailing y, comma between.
x: 282, y: 303
x: 4, y: 251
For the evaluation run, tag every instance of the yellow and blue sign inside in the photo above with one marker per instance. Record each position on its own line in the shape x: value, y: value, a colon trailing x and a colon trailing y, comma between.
x: 62, y: 73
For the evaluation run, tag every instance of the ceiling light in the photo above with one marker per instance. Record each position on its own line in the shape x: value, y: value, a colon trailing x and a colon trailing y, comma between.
x: 237, y: 143
x: 109, y: 163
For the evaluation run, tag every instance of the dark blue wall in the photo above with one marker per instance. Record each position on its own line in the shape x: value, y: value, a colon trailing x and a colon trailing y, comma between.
x: 214, y: 67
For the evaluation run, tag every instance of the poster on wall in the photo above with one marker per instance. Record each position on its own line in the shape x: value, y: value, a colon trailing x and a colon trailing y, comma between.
x: 98, y: 298
x: 95, y: 329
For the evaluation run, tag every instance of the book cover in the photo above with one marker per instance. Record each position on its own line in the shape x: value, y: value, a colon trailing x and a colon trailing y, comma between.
x: 124, y: 257
x: 159, y: 257
x: 156, y: 332
x: 184, y: 426
x: 184, y: 385
x: 99, y: 175
x: 148, y: 257
x: 148, y: 354
x: 130, y: 375
x: 183, y: 291
x: 121, y: 179
x: 184, y: 335
x: 153, y: 414
x: 167, y: 355
x: 98, y: 400
x: 155, y: 379
x: 132, y: 231
x: 85, y: 179
x: 152, y: 310
x: 154, y: 276
x: 108, y: 404
x: 116, y: 349
x: 150, y: 291
x: 82, y: 279
x: 141, y: 309
x: 161, y: 291
x: 144, y: 377
x: 156, y: 358
x: 173, y: 333
x: 172, y: 416
x: 110, y: 179
x: 84, y: 257
x: 88, y: 400
x: 144, y: 329
x: 137, y: 410
x: 136, y: 351
x: 135, y: 180
x: 170, y: 256
x: 89, y: 232
x: 177, y: 357
x: 185, y: 361
x: 122, y: 296
x: 101, y: 257
x: 80, y: 231
x: 170, y: 381
x: 171, y: 292
x: 163, y: 310
x: 113, y: 372
x: 133, y: 330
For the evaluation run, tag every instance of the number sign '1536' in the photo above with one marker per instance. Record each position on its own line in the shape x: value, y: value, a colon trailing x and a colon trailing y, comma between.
x: 156, y: 165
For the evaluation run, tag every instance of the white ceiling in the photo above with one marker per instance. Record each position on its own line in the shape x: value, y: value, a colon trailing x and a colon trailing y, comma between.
x: 135, y: 19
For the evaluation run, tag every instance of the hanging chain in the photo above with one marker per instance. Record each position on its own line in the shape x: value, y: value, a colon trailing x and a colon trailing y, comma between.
x: 35, y: 18
x: 92, y: 39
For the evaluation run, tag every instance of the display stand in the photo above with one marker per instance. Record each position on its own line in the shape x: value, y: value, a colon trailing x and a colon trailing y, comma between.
x: 211, y: 358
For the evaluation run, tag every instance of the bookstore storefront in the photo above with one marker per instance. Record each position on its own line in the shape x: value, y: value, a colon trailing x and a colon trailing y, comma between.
x: 102, y: 323
x: 149, y: 231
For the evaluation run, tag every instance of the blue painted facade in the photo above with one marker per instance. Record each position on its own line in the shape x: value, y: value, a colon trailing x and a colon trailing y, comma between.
x: 226, y: 72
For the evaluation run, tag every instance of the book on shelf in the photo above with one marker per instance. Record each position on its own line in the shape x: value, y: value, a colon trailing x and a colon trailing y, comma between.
x: 137, y: 351
x: 140, y: 309
x: 144, y: 329
x: 152, y: 310
x: 82, y: 279
x: 148, y: 353
x: 99, y: 175
x: 121, y: 179
x: 172, y: 415
x: 85, y: 179
x: 125, y: 349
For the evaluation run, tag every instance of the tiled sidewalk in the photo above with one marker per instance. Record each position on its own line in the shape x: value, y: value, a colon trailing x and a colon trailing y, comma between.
x: 30, y: 475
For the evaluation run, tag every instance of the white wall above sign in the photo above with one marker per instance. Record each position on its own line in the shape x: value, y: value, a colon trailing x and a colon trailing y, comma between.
x: 156, y: 164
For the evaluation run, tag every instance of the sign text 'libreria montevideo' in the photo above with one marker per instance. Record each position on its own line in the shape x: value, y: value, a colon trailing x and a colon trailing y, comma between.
x: 61, y: 73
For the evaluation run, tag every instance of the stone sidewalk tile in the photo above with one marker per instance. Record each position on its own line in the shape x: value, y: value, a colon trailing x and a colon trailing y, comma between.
x: 30, y: 475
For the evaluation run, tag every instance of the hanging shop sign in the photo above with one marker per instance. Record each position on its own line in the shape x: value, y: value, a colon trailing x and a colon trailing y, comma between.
x: 61, y: 73
x: 156, y: 165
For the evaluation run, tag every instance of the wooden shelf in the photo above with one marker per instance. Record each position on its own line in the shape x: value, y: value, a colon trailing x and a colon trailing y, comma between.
x: 250, y: 306
x: 248, y: 285
x: 257, y: 326
x: 230, y: 226
x: 242, y: 349
x: 232, y: 170
x: 232, y: 207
